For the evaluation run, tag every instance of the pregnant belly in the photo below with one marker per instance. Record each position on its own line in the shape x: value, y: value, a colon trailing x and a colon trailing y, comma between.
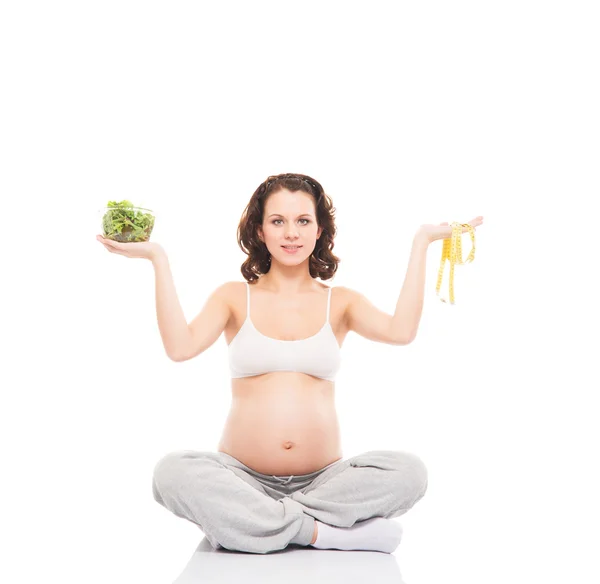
x: 283, y: 433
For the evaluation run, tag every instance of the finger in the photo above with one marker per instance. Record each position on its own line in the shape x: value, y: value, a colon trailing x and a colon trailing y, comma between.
x: 112, y: 243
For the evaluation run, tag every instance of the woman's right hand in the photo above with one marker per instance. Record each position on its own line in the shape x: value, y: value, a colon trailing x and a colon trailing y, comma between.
x: 135, y: 249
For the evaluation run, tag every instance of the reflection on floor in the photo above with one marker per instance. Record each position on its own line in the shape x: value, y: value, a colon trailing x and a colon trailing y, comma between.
x: 296, y: 564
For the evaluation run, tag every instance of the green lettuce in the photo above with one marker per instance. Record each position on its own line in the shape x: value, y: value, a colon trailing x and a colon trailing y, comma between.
x: 125, y: 222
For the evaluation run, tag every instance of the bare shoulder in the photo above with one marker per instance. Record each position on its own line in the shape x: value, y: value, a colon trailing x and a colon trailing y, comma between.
x: 229, y: 290
x: 351, y: 300
x: 367, y: 320
x: 342, y: 291
x: 343, y: 296
x: 349, y: 296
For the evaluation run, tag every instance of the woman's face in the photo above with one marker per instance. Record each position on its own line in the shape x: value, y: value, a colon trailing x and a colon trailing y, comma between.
x: 290, y: 219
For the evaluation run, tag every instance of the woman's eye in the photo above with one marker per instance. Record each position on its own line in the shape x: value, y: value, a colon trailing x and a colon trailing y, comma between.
x: 307, y: 220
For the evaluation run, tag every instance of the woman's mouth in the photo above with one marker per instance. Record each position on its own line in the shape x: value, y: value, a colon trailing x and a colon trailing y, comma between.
x: 291, y: 248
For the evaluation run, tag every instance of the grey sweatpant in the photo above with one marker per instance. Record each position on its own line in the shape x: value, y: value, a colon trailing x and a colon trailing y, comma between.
x: 240, y: 509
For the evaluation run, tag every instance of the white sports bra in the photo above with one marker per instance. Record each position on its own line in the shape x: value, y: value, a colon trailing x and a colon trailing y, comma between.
x: 252, y: 353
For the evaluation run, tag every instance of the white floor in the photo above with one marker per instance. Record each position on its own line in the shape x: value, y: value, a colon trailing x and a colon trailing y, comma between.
x: 293, y: 564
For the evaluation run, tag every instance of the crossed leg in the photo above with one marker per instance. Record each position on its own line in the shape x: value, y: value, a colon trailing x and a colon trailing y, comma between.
x: 241, y: 515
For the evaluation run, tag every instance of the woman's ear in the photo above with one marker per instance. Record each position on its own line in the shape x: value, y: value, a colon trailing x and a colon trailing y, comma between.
x: 260, y: 233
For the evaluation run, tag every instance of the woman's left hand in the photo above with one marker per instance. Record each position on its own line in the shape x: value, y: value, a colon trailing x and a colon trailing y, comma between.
x: 443, y: 230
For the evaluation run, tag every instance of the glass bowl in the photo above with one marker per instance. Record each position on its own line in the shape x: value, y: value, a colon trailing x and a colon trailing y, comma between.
x: 126, y: 224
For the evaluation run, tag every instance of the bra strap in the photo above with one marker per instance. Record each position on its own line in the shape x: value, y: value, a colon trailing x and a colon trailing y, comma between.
x: 247, y: 300
x: 328, y: 304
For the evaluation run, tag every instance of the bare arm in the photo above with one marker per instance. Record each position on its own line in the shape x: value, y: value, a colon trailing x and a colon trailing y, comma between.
x: 173, y: 327
x: 409, y: 307
x: 185, y: 341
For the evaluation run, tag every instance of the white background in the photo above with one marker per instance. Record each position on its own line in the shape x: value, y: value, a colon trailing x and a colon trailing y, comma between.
x: 407, y: 113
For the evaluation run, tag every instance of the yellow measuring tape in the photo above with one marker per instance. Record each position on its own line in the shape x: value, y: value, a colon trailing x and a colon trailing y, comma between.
x: 452, y: 251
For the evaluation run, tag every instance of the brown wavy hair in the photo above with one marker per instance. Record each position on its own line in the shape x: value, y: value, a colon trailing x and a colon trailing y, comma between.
x: 322, y: 262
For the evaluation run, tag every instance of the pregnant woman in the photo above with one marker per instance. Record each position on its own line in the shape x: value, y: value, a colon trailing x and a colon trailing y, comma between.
x: 278, y: 476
